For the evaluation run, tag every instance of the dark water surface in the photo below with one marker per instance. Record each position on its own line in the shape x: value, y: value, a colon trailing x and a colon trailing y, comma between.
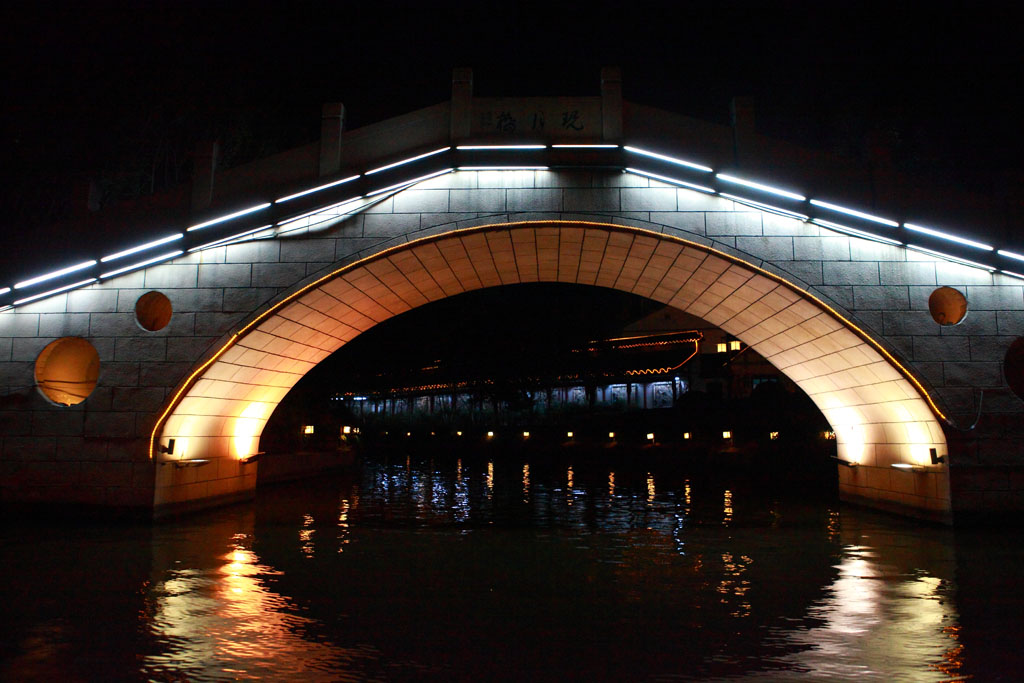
x: 442, y: 569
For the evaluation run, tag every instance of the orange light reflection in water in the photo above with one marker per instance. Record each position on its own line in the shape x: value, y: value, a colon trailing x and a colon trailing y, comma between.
x: 224, y: 622
x: 872, y: 623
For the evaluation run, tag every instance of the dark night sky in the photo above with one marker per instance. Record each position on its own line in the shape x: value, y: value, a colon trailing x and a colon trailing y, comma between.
x: 92, y: 88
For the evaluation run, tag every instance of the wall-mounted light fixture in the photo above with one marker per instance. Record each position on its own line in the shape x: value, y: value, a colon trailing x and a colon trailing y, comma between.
x: 195, y: 462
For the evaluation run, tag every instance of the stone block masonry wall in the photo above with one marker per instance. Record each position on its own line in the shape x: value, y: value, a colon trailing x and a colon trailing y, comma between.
x: 96, y: 452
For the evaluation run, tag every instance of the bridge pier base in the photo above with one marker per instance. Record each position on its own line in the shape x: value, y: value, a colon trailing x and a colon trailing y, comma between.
x: 217, y: 482
x: 920, y: 495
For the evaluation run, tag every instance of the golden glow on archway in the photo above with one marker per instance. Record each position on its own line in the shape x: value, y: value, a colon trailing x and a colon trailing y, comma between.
x: 881, y: 413
x: 248, y: 427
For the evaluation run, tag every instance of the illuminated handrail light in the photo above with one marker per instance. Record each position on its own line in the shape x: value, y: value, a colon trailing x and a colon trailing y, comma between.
x: 4, y: 290
x: 766, y: 207
x: 55, y: 274
x: 1011, y: 254
x: 954, y: 259
x: 141, y: 264
x: 142, y: 247
x: 54, y: 291
x: 595, y: 146
x: 760, y: 186
x: 314, y: 212
x: 1004, y: 272
x: 503, y: 168
x: 500, y: 147
x: 947, y: 236
x: 410, y: 182
x: 225, y: 240
x: 408, y: 161
x: 674, y: 181
x: 856, y: 233
x: 671, y: 160
x: 854, y: 212
x: 221, y: 219
x: 316, y: 189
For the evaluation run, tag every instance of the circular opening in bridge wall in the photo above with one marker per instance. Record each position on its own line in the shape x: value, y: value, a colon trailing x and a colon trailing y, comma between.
x: 67, y: 370
x: 1013, y: 367
x: 947, y: 306
x: 153, y: 311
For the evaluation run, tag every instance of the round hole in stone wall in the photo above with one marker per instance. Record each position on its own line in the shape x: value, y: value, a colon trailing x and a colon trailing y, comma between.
x: 153, y: 311
x: 67, y: 370
x: 1013, y: 367
x: 947, y: 306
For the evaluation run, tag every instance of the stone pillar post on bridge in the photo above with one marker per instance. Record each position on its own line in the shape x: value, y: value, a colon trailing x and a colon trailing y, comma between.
x: 332, y: 125
x: 611, y: 104
x: 462, y: 103
x: 205, y: 165
x: 743, y: 133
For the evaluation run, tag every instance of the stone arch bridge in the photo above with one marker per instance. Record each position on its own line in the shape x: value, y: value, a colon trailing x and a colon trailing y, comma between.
x: 906, y: 335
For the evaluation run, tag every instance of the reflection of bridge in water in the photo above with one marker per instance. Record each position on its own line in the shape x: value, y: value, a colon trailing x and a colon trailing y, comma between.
x: 174, y: 348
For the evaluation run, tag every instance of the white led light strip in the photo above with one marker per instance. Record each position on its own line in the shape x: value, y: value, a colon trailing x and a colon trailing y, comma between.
x: 142, y: 247
x: 854, y: 212
x: 500, y: 147
x: 225, y: 240
x: 503, y: 168
x: 954, y: 259
x: 316, y: 212
x: 140, y: 264
x: 409, y: 182
x: 408, y: 161
x: 856, y: 233
x: 766, y: 207
x: 947, y: 236
x: 316, y: 189
x: 759, y: 186
x: 635, y: 150
x: 55, y: 274
x: 243, y: 212
x: 674, y: 181
x: 54, y: 291
x: 671, y: 160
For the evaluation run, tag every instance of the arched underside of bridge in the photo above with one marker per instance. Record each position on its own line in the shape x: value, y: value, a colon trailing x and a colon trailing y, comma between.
x: 881, y: 415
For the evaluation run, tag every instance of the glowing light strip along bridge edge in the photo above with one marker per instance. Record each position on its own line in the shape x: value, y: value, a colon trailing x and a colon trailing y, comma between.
x: 686, y: 174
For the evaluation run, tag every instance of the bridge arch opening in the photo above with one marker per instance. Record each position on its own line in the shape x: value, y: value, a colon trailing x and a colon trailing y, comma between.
x: 886, y: 425
x: 557, y: 367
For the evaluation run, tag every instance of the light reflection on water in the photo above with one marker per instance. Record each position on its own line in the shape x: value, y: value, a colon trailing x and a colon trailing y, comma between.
x: 486, y: 570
